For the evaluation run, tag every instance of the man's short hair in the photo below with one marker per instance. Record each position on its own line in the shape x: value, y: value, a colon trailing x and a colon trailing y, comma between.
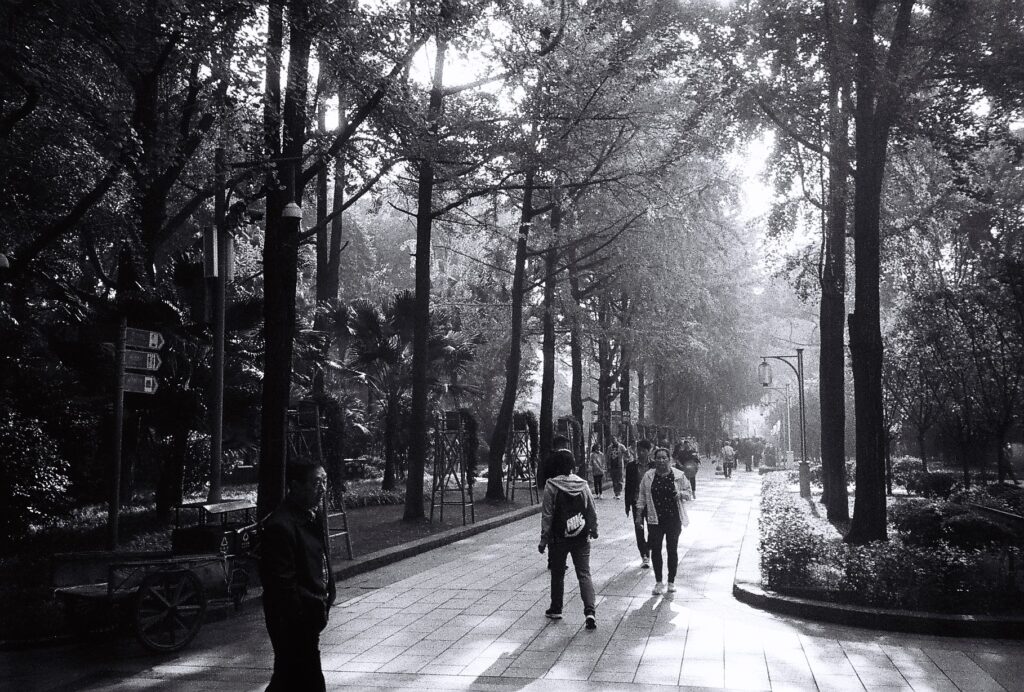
x: 644, y: 444
x: 560, y: 442
x: 562, y: 462
x: 300, y: 472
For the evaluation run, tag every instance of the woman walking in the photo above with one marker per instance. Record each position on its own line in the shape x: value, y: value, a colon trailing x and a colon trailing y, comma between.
x: 597, y: 469
x: 663, y: 491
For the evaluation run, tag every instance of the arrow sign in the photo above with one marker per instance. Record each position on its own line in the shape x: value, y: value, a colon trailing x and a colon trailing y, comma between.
x: 142, y: 360
x: 143, y: 338
x: 140, y: 384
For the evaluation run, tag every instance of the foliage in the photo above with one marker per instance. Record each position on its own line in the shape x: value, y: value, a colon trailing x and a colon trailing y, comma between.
x: 527, y: 420
x: 789, y: 544
x: 932, y: 483
x: 903, y: 468
x: 33, y: 477
x: 948, y: 572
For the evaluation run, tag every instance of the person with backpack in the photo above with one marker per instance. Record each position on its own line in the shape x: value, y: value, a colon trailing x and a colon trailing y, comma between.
x: 615, y: 458
x: 568, y: 521
x: 597, y: 470
x: 663, y: 490
x: 635, y: 470
x: 687, y: 461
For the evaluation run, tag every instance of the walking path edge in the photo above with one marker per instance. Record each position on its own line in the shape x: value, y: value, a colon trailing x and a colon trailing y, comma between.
x: 747, y: 589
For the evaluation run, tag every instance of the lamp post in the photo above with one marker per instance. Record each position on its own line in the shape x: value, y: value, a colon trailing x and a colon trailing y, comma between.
x: 764, y: 374
x: 789, y: 429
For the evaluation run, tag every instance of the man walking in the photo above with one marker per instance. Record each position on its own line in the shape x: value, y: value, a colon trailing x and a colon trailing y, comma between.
x: 615, y: 459
x: 298, y: 586
x: 568, y: 522
x: 728, y: 459
x: 635, y: 470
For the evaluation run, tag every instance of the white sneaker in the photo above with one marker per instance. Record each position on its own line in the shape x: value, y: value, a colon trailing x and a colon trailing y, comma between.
x: 658, y: 589
x: 671, y: 587
x: 646, y: 562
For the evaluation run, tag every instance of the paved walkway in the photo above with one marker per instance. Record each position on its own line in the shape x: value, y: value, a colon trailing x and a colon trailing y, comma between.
x: 470, y: 616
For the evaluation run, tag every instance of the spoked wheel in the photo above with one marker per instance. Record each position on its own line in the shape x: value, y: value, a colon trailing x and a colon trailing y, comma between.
x: 169, y: 609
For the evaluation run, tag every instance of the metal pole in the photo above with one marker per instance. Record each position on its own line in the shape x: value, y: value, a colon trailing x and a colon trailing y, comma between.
x: 805, y: 470
x: 114, y: 510
x: 789, y: 427
x: 217, y: 383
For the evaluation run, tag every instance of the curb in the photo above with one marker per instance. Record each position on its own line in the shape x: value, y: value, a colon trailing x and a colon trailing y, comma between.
x: 746, y: 590
x: 941, y: 624
x: 387, y: 556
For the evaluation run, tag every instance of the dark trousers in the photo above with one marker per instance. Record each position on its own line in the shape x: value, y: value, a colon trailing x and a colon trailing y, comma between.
x: 617, y: 481
x: 598, y: 483
x: 670, y: 533
x: 727, y: 467
x: 296, y: 656
x: 693, y: 483
x: 641, y: 539
x: 580, y: 551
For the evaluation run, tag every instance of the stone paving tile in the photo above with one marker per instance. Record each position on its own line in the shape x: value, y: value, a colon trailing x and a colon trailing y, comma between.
x: 470, y: 616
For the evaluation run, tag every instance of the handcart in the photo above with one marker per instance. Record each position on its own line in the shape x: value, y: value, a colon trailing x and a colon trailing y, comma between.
x: 166, y: 596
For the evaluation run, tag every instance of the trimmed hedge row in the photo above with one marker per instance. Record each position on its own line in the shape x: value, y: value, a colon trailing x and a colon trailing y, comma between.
x: 932, y: 575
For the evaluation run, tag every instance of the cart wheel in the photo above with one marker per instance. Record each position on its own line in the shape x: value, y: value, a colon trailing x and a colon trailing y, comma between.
x: 169, y: 609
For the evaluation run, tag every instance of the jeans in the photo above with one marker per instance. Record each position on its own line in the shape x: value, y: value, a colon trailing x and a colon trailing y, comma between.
x: 617, y: 481
x: 693, y: 483
x: 580, y: 551
x: 641, y: 539
x: 670, y: 532
x: 598, y: 482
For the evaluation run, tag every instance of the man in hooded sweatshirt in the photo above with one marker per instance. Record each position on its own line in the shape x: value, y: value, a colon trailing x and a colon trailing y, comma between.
x: 568, y: 522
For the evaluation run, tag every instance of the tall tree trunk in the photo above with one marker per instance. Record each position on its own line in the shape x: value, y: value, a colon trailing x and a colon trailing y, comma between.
x: 332, y: 275
x: 548, y: 346
x: 876, y: 109
x: 832, y: 361
x: 390, y: 438
x: 280, y: 261
x: 418, y: 437
x: 323, y: 295
x: 641, y: 393
x: 503, y: 421
x: 576, y: 354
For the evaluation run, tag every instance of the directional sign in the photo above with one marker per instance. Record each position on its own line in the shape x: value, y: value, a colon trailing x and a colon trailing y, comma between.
x: 139, y: 383
x: 142, y: 360
x: 143, y: 338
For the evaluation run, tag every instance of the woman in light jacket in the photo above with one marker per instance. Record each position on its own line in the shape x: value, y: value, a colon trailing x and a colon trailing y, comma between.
x: 663, y: 492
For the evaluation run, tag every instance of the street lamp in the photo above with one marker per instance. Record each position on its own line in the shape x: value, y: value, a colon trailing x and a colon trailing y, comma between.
x: 764, y: 373
x: 789, y: 430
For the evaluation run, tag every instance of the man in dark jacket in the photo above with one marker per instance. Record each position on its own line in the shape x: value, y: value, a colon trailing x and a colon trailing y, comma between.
x: 635, y: 470
x: 568, y: 522
x: 298, y: 586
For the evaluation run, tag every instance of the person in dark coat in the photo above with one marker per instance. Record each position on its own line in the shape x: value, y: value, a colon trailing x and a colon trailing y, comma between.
x: 635, y: 470
x: 298, y: 585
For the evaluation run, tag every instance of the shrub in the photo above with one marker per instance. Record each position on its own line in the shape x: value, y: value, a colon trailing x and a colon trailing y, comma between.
x: 364, y: 467
x: 1006, y: 496
x: 932, y: 484
x: 789, y: 544
x: 34, y: 479
x: 970, y: 530
x: 903, y: 469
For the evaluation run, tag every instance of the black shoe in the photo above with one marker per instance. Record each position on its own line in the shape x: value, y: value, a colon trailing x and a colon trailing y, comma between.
x: 553, y: 614
x: 591, y: 622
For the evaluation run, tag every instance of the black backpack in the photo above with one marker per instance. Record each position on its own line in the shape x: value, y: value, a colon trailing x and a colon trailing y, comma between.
x: 569, y: 521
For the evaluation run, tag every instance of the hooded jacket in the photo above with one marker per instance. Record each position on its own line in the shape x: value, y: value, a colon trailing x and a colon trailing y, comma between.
x: 571, y: 485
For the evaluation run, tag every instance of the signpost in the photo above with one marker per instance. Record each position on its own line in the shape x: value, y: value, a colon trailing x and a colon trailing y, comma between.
x: 139, y: 383
x: 147, y: 361
x: 127, y: 360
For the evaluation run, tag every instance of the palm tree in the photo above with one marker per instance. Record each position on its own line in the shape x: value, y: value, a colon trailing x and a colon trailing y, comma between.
x: 380, y: 357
